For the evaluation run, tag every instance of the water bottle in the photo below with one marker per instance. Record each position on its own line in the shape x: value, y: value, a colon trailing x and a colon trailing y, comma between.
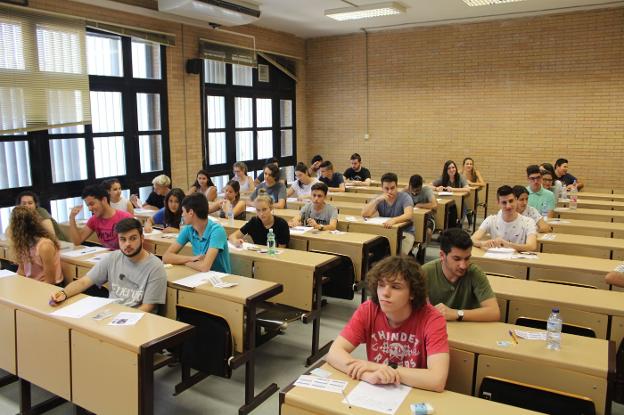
x: 553, y: 327
x: 573, y: 196
x: 229, y: 212
x: 271, y: 242
x: 544, y: 211
x: 564, y: 193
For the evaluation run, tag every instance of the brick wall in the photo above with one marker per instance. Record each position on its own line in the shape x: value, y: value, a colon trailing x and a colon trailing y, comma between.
x: 508, y: 93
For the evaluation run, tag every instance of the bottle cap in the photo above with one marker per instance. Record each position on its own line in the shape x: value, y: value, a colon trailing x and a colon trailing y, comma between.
x: 555, y: 309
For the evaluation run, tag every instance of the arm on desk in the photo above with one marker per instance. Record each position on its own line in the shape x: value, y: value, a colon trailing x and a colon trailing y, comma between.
x: 340, y: 188
x: 147, y: 308
x: 529, y: 245
x: 543, y: 227
x: 76, y: 287
x: 615, y: 278
x: 236, y: 238
x: 171, y: 256
x: 371, y: 207
x: 408, y: 213
x: 432, y: 204
x: 488, y: 311
x: 280, y: 204
x: 203, y: 263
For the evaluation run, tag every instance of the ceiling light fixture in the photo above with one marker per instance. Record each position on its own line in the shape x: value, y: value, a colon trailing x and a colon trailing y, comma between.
x: 366, y: 12
x: 488, y: 2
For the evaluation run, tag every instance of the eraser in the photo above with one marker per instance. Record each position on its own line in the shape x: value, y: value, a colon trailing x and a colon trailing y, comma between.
x: 422, y: 408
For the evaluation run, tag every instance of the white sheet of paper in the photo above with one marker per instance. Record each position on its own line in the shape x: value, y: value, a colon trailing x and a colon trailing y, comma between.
x: 500, y: 253
x: 531, y: 335
x: 6, y: 273
x: 169, y: 235
x: 84, y: 251
x: 153, y: 232
x: 351, y: 218
x: 548, y: 237
x: 291, y: 199
x: 140, y: 211
x: 98, y: 258
x: 324, y: 384
x: 126, y: 319
x: 300, y: 230
x: 445, y: 193
x: 556, y: 221
x: 377, y: 220
x: 250, y: 209
x: 82, y: 307
x: 200, y: 278
x: 381, y: 398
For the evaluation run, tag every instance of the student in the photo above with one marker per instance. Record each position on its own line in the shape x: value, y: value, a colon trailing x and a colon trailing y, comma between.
x: 317, y: 214
x: 616, y: 277
x: 423, y: 198
x: 207, y: 238
x: 450, y: 178
x: 356, y: 175
x: 231, y: 200
x: 271, y: 187
x: 117, y: 201
x: 405, y: 337
x: 523, y: 208
x: 246, y: 183
x: 135, y: 277
x: 170, y: 216
x: 103, y: 219
x: 203, y: 184
x: 36, y: 248
x: 315, y: 165
x: 395, y: 205
x: 258, y: 226
x: 541, y: 199
x: 561, y: 170
x: 302, y: 187
x: 472, y: 175
x: 156, y: 199
x: 334, y: 181
x: 549, y: 180
x: 282, y: 173
x: 31, y: 200
x: 507, y: 228
x: 460, y: 290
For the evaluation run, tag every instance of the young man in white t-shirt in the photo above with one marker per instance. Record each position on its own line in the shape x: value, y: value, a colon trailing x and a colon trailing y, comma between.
x: 508, y: 228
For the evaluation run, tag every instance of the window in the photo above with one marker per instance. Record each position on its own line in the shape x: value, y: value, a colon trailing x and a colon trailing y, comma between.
x: 246, y: 120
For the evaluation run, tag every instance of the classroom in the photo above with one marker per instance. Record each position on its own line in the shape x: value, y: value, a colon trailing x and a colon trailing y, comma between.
x: 150, y: 101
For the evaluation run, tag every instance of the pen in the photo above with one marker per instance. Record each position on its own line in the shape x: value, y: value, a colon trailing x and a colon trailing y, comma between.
x: 345, y: 398
x: 513, y: 336
x: 86, y: 251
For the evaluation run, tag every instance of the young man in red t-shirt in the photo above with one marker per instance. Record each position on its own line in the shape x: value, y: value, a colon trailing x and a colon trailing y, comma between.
x: 405, y: 336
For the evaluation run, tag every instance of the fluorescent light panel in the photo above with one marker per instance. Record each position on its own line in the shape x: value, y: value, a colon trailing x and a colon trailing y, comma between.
x: 488, y: 2
x: 366, y: 12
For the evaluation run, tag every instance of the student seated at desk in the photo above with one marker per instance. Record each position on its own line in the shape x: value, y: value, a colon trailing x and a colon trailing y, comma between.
x: 616, y: 277
x: 315, y: 165
x: 356, y: 175
x: 208, y: 239
x: 472, y: 175
x: 170, y: 216
x: 246, y: 183
x: 231, y: 201
x: 302, y: 187
x: 333, y: 180
x: 135, y: 277
x: 405, y: 337
x: 258, y: 226
x: 116, y: 200
x: 523, y: 208
x: 102, y: 222
x: 36, y: 248
x: 317, y: 214
x: 271, y: 186
x: 507, y: 228
x: 203, y: 184
x: 549, y: 182
x: 156, y: 199
x: 31, y: 200
x: 561, y: 172
x: 423, y: 198
x: 459, y: 289
x: 450, y: 178
x: 282, y: 172
x: 541, y: 199
x: 395, y: 205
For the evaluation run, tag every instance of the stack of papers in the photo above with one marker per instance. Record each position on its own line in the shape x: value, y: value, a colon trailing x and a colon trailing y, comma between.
x: 380, y: 398
x: 82, y: 307
x: 324, y: 384
x: 300, y: 230
x: 500, y: 253
x: 212, y: 277
x: 378, y: 220
x: 548, y: 237
x: 531, y: 335
x: 6, y: 273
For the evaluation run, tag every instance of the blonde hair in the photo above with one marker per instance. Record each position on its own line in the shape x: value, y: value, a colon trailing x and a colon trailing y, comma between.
x: 264, y: 198
x: 162, y: 180
x: 25, y: 231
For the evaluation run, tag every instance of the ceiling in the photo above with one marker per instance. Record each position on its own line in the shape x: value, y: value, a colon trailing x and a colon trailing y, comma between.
x: 306, y: 19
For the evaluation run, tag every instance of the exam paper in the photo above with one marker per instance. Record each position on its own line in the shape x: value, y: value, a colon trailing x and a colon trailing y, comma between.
x: 548, y: 237
x: 126, y: 319
x: 153, y: 232
x: 6, y: 273
x: 82, y: 307
x: 445, y: 193
x: 324, y: 384
x: 300, y: 230
x: 84, y: 251
x: 378, y: 220
x: 141, y: 211
x: 531, y: 335
x: 499, y: 253
x: 381, y: 398
x: 212, y: 277
x: 98, y: 258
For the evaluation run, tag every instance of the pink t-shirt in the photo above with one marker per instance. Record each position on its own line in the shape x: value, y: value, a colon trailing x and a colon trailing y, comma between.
x: 105, y: 228
x: 422, y: 335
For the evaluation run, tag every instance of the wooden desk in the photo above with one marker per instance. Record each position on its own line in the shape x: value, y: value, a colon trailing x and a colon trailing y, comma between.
x: 591, y: 214
x: 588, y: 227
x: 362, y: 198
x: 122, y: 357
x: 592, y: 246
x: 143, y: 214
x: 442, y: 212
x: 600, y: 310
x: 593, y: 204
x: 557, y: 267
x: 600, y: 196
x: 584, y: 366
x: 345, y: 208
x: 296, y: 400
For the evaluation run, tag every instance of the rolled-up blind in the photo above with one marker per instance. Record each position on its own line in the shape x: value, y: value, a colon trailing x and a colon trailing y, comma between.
x: 227, y: 53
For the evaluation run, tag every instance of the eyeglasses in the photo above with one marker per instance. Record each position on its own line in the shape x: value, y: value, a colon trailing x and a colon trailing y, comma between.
x: 547, y: 180
x: 534, y: 178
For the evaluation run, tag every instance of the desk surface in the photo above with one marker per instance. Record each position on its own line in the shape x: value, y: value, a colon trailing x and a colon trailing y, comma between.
x: 566, y: 212
x: 588, y: 224
x: 446, y: 403
x: 32, y: 296
x: 581, y: 240
x: 600, y: 196
x: 593, y: 203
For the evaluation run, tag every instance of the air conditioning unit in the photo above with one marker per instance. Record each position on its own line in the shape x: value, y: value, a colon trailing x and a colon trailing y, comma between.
x: 226, y: 13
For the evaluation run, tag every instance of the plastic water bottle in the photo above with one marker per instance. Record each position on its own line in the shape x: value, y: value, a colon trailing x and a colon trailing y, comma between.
x: 553, y: 327
x: 271, y: 242
x: 564, y: 193
x: 229, y: 212
x: 544, y: 211
x: 573, y: 196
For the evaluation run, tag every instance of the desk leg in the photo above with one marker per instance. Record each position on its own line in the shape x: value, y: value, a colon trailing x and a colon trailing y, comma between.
x: 26, y: 407
x: 315, y: 316
x: 146, y: 382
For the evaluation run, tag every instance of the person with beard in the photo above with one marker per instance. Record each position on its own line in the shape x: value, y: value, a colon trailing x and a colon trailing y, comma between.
x: 136, y: 278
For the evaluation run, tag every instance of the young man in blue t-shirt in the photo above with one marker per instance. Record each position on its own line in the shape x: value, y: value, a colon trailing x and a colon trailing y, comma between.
x: 208, y: 239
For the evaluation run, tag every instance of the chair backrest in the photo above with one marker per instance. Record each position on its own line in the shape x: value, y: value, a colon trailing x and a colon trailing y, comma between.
x: 570, y: 283
x: 565, y: 328
x: 338, y: 282
x: 535, y: 398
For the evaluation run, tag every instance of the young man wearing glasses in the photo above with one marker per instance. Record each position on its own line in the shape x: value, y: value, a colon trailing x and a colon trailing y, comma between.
x: 541, y: 199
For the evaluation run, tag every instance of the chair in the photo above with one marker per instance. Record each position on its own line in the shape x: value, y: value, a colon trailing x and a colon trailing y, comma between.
x: 339, y: 281
x: 535, y: 398
x: 565, y: 328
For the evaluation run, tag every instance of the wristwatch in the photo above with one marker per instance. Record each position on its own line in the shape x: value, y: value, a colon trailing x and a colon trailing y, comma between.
x: 393, y: 365
x: 321, y: 228
x: 460, y: 315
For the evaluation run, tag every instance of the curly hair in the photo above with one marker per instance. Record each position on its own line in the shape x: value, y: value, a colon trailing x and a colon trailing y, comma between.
x: 393, y: 267
x: 25, y: 230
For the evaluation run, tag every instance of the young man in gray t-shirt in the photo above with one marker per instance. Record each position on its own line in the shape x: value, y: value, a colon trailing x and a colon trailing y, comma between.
x: 317, y: 214
x: 136, y: 278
